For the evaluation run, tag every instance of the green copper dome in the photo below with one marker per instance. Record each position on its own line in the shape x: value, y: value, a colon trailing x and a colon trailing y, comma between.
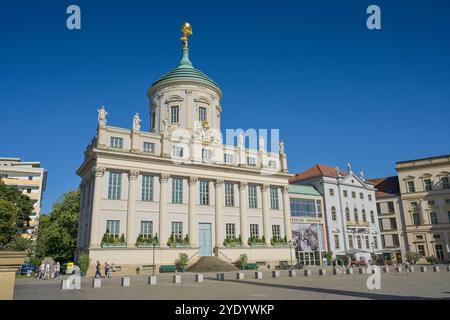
x: 185, y: 71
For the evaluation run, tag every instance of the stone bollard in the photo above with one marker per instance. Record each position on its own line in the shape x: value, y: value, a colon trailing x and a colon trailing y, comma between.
x: 410, y: 269
x: 398, y: 269
x: 336, y: 271
x: 386, y: 270
x: 176, y: 278
x: 66, y: 285
x: 349, y: 271
x: 448, y: 268
x: 307, y: 273
x: 199, y: 277
x: 361, y: 270
x: 322, y: 272
x: 220, y: 276
x: 96, y: 283
x: 239, y: 275
x: 125, y: 281
x: 292, y: 273
x: 275, y: 274
x: 423, y: 269
x: 258, y: 275
x: 436, y: 269
x: 152, y: 280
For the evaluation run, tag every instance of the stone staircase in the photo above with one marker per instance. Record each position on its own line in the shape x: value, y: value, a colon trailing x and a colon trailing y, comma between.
x: 211, y: 264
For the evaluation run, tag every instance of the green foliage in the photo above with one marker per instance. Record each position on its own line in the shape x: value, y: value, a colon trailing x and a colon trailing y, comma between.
x: 432, y: 260
x: 243, y: 260
x: 182, y: 262
x: 8, y: 215
x: 252, y: 241
x: 178, y: 241
x: 22, y: 203
x: 83, y: 263
x: 122, y: 238
x: 58, y: 231
x: 278, y: 241
x: 147, y: 241
x: 412, y: 257
x: 330, y: 257
x: 232, y: 241
x: 19, y: 244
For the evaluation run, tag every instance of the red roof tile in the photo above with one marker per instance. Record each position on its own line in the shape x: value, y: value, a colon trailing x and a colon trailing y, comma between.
x: 317, y: 170
x: 386, y: 187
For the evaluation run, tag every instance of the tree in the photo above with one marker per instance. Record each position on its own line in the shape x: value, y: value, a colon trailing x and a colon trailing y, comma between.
x: 58, y: 231
x: 23, y: 204
x: 8, y: 215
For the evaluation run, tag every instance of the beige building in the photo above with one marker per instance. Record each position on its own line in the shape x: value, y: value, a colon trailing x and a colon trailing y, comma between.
x: 391, y: 217
x: 31, y: 179
x: 425, y: 195
x: 178, y: 186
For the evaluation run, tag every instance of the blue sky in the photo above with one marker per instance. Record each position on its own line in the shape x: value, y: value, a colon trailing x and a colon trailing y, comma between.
x: 336, y: 90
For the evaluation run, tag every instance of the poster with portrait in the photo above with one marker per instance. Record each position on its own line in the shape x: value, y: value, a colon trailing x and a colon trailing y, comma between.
x: 306, y: 236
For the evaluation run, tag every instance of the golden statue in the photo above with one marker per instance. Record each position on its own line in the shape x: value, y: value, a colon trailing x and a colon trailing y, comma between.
x: 187, y: 31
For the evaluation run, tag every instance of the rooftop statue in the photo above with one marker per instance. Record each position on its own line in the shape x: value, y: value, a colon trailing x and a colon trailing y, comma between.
x: 102, y: 116
x: 261, y: 143
x: 136, y: 122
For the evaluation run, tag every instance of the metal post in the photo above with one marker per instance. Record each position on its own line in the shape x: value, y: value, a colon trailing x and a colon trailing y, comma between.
x: 290, y: 251
x: 153, y: 258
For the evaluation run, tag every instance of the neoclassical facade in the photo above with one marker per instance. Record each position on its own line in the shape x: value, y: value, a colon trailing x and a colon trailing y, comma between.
x: 146, y: 197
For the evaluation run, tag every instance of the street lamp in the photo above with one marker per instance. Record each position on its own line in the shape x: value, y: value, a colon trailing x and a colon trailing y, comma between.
x: 290, y: 250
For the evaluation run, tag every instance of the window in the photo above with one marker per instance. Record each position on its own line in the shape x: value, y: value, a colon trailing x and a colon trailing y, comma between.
x: 347, y: 214
x: 177, y: 151
x: 433, y: 218
x: 364, y: 216
x: 3, y: 175
x: 177, y: 190
x: 206, y: 154
x: 375, y: 242
x: 391, y: 207
x: 252, y: 196
x: 28, y: 190
x: 251, y: 161
x: 116, y: 142
x: 204, y: 193
x: 147, y: 188
x: 274, y: 203
x: 378, y: 208
x: 146, y: 229
x: 447, y: 201
x: 254, y: 231
x: 174, y: 114
x: 395, y: 240
x: 445, y: 183
x: 177, y: 230
x: 361, y: 195
x: 421, y: 250
x: 393, y: 223
x: 358, y: 242
x: 350, y: 242
x: 448, y: 213
x: 331, y: 191
x: 372, y: 216
x: 345, y: 193
x: 355, y: 214
x: 336, y: 241
x: 303, y: 207
x: 333, y: 214
x: 431, y: 203
x: 115, y: 179
x: 380, y: 223
x: 202, y: 114
x: 439, y: 252
x: 410, y: 186
x: 319, y: 208
x: 272, y: 164
x: 436, y: 236
x: 113, y: 228
x: 149, y: 147
x: 353, y: 194
x: 230, y: 230
x: 367, y: 242
x: 383, y: 240
x: 276, y: 231
x: 419, y: 237
x: 227, y: 158
x: 369, y: 196
x: 428, y: 184
x: 416, y: 219
x: 414, y: 204
x: 229, y: 195
x: 30, y: 177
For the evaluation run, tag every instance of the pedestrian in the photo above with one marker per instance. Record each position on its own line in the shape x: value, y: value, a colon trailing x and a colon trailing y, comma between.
x: 106, y: 269
x: 47, y: 271
x: 111, y: 270
x: 41, y: 271
x: 57, y: 269
x: 97, y: 270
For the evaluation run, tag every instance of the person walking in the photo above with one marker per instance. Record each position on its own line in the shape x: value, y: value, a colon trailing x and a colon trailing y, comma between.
x: 106, y: 270
x: 97, y: 270
x: 41, y: 271
x: 57, y: 269
x: 47, y: 271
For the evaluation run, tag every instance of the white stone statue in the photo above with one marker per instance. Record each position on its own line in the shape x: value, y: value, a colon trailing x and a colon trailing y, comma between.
x: 241, y: 140
x: 261, y: 143
x: 102, y: 116
x: 361, y: 174
x: 337, y: 171
x: 281, y: 146
x: 164, y: 126
x: 136, y: 122
x: 349, y: 167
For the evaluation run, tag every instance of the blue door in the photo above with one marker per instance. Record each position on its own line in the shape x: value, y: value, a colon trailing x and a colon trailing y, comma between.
x: 204, y: 239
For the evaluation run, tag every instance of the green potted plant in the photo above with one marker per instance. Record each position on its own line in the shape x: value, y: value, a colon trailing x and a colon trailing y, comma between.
x: 242, y: 262
x: 182, y: 262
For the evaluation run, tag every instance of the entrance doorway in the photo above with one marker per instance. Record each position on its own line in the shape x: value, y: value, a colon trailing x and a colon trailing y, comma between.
x: 204, y: 239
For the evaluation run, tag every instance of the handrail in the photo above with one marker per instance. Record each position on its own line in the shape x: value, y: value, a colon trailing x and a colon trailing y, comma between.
x: 226, y: 257
x: 194, y: 255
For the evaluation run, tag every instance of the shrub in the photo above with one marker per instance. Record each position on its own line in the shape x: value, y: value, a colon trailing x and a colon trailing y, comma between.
x: 182, y: 262
x: 412, y: 257
x: 122, y: 238
x: 432, y: 260
x: 330, y: 257
x: 83, y: 262
x: 243, y: 260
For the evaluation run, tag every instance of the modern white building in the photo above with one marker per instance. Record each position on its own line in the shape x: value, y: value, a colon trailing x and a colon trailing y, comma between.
x: 178, y: 186
x: 350, y: 210
x: 31, y: 179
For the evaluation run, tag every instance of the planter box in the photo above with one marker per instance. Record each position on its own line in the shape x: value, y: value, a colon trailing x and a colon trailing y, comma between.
x: 280, y: 245
x: 233, y: 245
x: 113, y: 245
x: 147, y: 245
x: 257, y: 244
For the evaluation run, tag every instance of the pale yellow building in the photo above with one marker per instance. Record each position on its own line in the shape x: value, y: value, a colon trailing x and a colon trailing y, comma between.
x: 425, y: 195
x: 31, y: 179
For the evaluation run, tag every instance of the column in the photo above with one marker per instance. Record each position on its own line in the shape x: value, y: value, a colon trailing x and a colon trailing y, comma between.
x: 265, y: 212
x: 193, y: 237
x: 287, y: 213
x: 131, y: 214
x: 96, y: 233
x: 219, y: 199
x: 242, y: 212
x: 164, y: 178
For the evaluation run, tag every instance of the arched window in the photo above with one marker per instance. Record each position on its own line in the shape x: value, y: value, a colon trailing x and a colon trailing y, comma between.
x: 372, y: 216
x: 333, y: 213
x: 364, y: 218
x: 347, y: 214
x: 355, y: 214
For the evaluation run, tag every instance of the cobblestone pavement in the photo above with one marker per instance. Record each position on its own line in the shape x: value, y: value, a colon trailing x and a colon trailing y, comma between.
x: 417, y: 285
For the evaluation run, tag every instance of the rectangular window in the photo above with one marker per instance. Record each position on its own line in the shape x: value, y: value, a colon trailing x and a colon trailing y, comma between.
x: 229, y: 195
x: 350, y: 242
x: 375, y: 242
x: 272, y: 164
x: 369, y: 196
x: 428, y: 185
x: 204, y: 193
x: 378, y: 208
x: 416, y: 219
x: 274, y: 203
x: 431, y: 203
x: 276, y: 231
x: 353, y: 194
x: 410, y: 186
x: 202, y: 114
x: 391, y: 207
x: 345, y: 193
x: 395, y: 240
x: 448, y: 213
x: 251, y: 161
x: 230, y: 230
x: 421, y: 250
x: 174, y: 114
x: 361, y: 195
x: 254, y: 231
x: 228, y: 158
x: 331, y: 191
x: 177, y: 190
x: 177, y: 151
x: 147, y: 188
x: 303, y: 208
x: 319, y: 208
x: 447, y: 201
x: 383, y: 240
x: 358, y: 242
x: 252, y: 203
x: 146, y: 229
x: 445, y: 183
x: 367, y: 242
x: 177, y: 230
x: 336, y: 241
x: 393, y: 223
x: 116, y: 142
x: 149, y: 147
x: 114, y: 185
x: 206, y: 154
x: 433, y: 218
x: 113, y: 228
